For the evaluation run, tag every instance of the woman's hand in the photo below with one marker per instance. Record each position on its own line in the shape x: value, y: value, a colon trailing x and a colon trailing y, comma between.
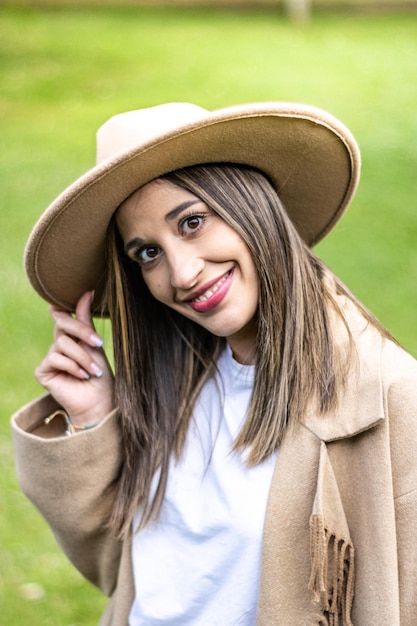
x: 76, y: 371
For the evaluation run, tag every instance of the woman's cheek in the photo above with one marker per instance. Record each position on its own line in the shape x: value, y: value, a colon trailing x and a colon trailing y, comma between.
x: 157, y: 289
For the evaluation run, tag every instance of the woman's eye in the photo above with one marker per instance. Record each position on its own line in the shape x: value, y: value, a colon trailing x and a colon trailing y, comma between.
x: 148, y: 254
x: 192, y: 223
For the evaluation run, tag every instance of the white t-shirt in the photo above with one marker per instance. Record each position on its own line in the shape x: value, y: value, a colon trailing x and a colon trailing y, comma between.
x: 199, y: 564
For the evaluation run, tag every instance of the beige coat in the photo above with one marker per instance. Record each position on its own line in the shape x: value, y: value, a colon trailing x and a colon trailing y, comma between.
x: 340, y: 538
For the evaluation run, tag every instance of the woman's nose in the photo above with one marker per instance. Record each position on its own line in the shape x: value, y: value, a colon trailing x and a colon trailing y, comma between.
x: 185, y: 270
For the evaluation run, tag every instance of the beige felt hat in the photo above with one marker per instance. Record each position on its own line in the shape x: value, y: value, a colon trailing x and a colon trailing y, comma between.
x: 311, y: 158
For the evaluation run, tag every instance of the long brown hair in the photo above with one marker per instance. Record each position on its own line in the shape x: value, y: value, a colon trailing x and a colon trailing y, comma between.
x: 162, y: 359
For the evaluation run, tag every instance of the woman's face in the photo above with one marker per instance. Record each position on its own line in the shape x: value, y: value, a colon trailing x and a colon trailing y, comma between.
x: 192, y: 261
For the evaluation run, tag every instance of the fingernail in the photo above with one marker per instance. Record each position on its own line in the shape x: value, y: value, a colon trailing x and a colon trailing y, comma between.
x: 85, y: 374
x: 96, y: 340
x: 96, y: 370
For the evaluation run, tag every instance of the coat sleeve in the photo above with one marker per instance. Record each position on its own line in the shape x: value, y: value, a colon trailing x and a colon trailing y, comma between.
x: 402, y: 411
x: 72, y: 481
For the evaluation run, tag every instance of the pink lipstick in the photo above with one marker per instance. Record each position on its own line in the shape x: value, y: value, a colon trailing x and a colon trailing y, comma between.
x: 212, y: 295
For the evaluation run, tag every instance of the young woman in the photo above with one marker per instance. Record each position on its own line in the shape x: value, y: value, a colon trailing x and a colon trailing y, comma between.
x: 251, y: 459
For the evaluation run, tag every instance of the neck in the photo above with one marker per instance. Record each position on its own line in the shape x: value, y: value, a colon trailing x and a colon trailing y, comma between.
x: 244, y: 352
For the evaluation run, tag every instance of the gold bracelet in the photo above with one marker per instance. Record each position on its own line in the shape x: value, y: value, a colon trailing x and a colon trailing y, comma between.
x: 70, y: 428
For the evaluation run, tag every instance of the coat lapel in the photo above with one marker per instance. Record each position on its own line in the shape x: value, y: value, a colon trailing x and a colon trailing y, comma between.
x: 305, y: 515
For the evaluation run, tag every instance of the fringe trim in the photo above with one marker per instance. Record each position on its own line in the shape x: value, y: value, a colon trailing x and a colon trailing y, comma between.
x: 332, y: 574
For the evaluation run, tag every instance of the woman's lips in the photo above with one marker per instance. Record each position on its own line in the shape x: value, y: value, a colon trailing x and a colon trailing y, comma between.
x: 213, y: 295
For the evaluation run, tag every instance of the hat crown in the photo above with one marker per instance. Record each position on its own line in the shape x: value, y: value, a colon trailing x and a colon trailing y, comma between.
x: 128, y: 130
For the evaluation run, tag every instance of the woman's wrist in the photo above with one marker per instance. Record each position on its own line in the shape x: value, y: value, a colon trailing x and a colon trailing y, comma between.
x: 59, y: 422
x: 70, y: 427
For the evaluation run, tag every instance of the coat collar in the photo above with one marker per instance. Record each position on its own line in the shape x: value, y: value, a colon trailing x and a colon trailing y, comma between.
x: 362, y: 403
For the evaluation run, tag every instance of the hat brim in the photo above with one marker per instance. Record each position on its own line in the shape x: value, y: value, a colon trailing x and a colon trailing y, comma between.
x: 311, y: 158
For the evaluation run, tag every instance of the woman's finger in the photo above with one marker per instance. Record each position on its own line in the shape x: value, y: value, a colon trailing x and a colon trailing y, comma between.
x: 84, y: 358
x: 83, y: 309
x: 66, y: 324
x: 56, y: 364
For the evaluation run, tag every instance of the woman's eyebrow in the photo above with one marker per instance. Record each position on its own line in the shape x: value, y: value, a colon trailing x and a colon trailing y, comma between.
x: 136, y: 243
x: 181, y: 207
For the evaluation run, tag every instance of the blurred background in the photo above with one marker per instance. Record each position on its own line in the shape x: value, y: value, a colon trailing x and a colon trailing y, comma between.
x: 65, y: 68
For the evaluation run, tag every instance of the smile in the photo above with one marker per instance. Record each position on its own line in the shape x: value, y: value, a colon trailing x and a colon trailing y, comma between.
x: 212, y: 297
x: 205, y: 296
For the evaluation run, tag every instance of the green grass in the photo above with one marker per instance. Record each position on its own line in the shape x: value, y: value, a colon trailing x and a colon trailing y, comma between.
x: 64, y: 72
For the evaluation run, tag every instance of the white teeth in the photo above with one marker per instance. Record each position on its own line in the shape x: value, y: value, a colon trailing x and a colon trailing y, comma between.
x: 205, y: 296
